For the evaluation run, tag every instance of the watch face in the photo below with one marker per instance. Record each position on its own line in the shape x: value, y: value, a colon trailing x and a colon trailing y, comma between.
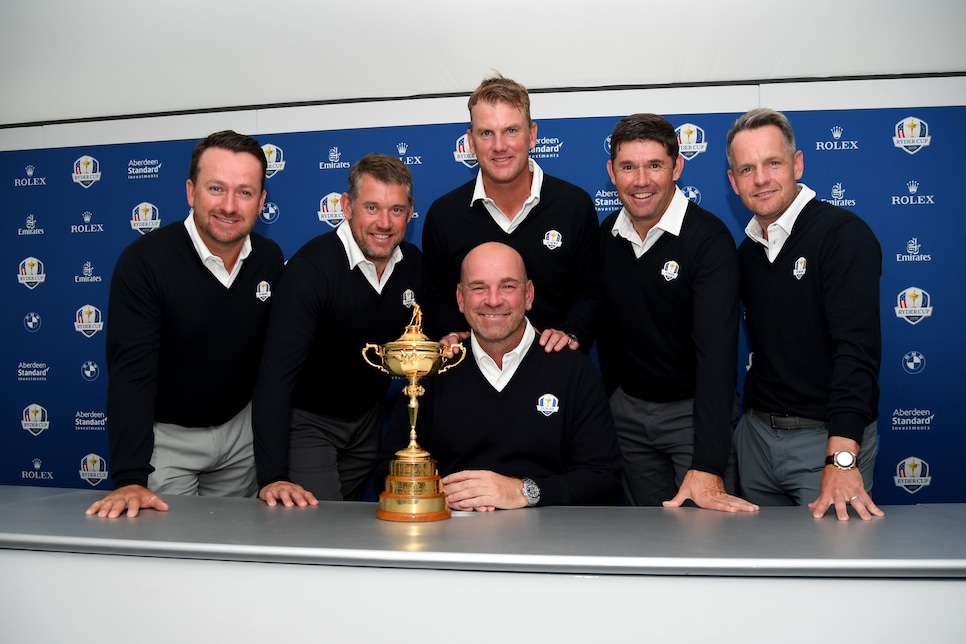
x: 844, y: 459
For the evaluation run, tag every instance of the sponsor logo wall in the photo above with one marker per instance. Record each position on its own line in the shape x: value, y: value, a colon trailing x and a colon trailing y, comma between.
x: 68, y: 213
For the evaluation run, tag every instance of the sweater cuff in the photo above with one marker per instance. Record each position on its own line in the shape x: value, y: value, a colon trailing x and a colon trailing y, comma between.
x: 848, y: 425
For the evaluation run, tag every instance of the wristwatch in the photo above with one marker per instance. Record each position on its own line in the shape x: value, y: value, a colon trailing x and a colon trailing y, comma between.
x: 572, y: 339
x: 531, y: 491
x: 841, y: 460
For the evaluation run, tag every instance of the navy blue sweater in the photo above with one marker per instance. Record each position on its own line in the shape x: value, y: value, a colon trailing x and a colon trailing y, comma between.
x: 815, y: 337
x: 564, y: 277
x: 181, y: 348
x: 664, y: 339
x: 465, y: 424
x: 324, y: 314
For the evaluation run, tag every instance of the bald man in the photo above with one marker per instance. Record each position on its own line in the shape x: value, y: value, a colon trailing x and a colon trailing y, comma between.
x: 514, y: 426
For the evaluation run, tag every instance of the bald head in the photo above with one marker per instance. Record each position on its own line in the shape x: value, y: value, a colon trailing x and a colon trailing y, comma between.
x: 493, y: 253
x: 494, y: 295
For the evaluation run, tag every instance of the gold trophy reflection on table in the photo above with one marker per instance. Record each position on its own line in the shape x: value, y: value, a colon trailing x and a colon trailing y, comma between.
x: 413, y: 488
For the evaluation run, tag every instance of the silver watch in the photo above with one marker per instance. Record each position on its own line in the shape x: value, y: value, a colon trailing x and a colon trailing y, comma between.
x: 841, y: 460
x: 531, y: 491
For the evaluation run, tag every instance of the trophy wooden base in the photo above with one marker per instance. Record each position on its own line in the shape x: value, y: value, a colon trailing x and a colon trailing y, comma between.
x: 413, y: 492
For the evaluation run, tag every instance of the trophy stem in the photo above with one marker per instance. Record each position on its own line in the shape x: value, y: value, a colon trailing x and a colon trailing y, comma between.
x: 413, y: 451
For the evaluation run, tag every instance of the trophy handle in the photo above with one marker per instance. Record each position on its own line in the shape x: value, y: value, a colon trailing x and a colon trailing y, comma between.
x: 365, y: 356
x: 458, y: 360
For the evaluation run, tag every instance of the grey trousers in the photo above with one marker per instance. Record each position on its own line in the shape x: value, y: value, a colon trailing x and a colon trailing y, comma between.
x: 657, y: 442
x: 205, y: 461
x: 333, y: 458
x: 784, y: 466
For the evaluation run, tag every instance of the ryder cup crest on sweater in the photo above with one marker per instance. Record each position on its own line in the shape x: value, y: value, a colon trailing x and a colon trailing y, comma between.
x: 548, y: 404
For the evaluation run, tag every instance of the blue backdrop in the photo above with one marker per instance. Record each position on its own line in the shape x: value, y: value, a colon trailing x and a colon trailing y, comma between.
x: 70, y: 212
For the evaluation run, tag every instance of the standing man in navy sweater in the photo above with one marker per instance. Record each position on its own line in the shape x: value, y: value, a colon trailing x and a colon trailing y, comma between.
x: 318, y: 405
x: 187, y: 312
x: 514, y: 426
x: 668, y: 336
x: 810, y: 285
x: 550, y: 222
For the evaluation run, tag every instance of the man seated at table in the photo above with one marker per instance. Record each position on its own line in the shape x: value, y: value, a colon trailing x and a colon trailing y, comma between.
x: 513, y: 426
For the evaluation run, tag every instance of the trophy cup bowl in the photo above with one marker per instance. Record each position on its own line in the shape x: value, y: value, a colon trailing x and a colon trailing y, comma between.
x: 413, y: 488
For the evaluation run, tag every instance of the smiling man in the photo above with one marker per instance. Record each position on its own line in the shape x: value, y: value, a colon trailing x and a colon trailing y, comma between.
x: 668, y: 335
x: 514, y: 426
x: 186, y: 318
x: 550, y: 222
x: 810, y: 285
x: 318, y: 405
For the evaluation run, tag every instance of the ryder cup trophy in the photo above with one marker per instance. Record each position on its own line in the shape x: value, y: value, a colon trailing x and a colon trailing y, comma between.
x: 413, y: 488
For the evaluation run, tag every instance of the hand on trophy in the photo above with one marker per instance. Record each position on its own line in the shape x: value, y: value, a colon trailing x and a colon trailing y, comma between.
x: 452, y: 341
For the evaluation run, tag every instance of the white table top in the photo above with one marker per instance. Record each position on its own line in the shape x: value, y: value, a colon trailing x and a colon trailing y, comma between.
x: 924, y: 541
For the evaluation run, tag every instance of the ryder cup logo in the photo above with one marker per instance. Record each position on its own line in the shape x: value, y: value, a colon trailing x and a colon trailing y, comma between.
x: 912, y: 474
x: 799, y: 270
x: 913, y: 305
x: 408, y: 298
x: 88, y: 320
x: 463, y: 154
x: 87, y: 171
x: 31, y: 272
x: 911, y: 134
x: 274, y: 158
x: 263, y: 291
x: 548, y: 404
x: 552, y: 239
x: 330, y: 209
x: 145, y: 217
x: 93, y: 469
x: 34, y: 419
x: 691, y: 141
x: 670, y: 270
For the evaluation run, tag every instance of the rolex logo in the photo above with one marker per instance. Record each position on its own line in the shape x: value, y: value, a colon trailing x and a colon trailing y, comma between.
x: 913, y: 186
x: 87, y: 216
x: 37, y: 463
x: 837, y: 132
x: 402, y: 147
x: 30, y: 170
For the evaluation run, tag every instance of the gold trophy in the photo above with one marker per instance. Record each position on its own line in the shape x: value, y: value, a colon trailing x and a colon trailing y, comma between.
x: 413, y: 488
